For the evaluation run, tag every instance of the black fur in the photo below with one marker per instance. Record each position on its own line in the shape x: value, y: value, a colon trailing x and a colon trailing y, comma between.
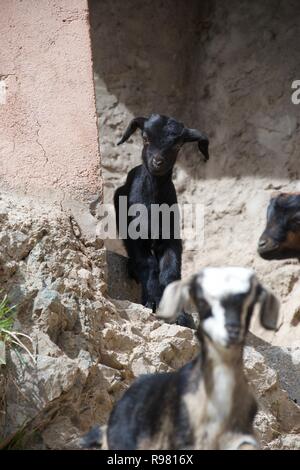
x: 283, y: 220
x: 93, y: 439
x: 146, y: 405
x: 153, y: 409
x: 156, y: 262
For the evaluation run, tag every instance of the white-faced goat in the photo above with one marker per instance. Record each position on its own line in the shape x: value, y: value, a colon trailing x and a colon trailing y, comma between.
x: 207, y: 404
x: 155, y: 258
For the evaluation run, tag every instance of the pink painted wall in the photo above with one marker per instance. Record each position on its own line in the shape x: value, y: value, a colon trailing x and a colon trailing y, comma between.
x: 48, y: 128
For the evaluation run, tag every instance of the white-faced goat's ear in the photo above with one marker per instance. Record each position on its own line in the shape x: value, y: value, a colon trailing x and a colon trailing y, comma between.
x: 269, y: 309
x: 176, y: 295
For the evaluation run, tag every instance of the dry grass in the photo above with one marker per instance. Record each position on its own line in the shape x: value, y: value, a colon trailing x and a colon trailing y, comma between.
x: 9, y: 337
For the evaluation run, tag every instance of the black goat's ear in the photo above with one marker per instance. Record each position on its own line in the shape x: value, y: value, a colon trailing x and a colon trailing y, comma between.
x: 193, y: 135
x: 136, y: 123
x: 269, y: 309
x: 175, y: 297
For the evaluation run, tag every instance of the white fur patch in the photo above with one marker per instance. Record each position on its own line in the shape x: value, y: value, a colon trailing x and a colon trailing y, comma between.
x: 208, y: 414
x: 220, y: 402
x: 214, y: 326
x: 219, y: 282
x: 242, y: 440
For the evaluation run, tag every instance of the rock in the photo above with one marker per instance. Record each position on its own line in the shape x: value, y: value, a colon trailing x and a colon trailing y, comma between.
x: 88, y: 348
x: 119, y: 285
x: 279, y: 415
x: 286, y: 442
x: 253, y: 151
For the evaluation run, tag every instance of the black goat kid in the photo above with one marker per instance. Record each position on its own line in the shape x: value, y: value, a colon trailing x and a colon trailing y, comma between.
x: 154, y: 258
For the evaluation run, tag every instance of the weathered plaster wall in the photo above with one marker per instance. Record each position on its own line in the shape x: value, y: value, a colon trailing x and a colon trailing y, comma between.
x: 49, y: 173
x: 48, y: 131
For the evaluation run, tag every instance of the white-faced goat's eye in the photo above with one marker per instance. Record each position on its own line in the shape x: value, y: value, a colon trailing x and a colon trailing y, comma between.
x: 204, y: 309
x: 239, y: 297
x: 203, y: 305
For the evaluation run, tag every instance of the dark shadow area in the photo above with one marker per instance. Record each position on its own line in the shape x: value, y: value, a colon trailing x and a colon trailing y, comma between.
x: 120, y: 286
x: 281, y: 361
x: 144, y: 51
x: 224, y: 67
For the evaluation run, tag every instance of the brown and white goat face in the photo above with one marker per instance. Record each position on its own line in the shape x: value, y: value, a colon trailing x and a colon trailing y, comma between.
x: 281, y: 236
x: 225, y: 299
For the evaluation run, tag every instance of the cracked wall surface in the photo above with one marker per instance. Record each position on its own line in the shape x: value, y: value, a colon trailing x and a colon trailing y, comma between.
x: 48, y: 130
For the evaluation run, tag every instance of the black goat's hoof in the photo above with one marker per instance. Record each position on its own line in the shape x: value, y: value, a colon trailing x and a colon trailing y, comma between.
x: 93, y: 439
x: 151, y: 305
x: 131, y: 272
x: 185, y: 319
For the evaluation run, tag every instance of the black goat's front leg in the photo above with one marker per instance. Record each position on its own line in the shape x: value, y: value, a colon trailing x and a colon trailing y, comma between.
x: 143, y: 267
x: 170, y: 270
x: 152, y: 292
x: 169, y: 256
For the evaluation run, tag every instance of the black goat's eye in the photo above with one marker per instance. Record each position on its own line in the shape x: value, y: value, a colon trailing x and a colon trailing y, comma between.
x: 145, y: 140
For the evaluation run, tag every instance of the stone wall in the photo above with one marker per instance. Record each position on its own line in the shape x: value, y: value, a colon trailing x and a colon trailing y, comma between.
x: 49, y: 174
x: 89, y: 348
x: 226, y: 68
x: 148, y: 56
x: 228, y: 73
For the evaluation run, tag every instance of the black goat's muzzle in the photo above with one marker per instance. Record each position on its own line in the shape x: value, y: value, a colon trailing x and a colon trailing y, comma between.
x: 158, y: 166
x: 157, y: 163
x: 267, y: 247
